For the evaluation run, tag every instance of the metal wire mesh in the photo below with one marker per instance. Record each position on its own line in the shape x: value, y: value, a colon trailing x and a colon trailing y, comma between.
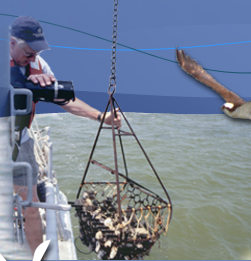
x: 144, y: 217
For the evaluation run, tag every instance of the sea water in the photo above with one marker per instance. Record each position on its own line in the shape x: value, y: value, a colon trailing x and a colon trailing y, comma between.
x: 204, y: 161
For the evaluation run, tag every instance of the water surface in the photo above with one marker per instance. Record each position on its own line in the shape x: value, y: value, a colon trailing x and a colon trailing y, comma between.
x: 203, y: 161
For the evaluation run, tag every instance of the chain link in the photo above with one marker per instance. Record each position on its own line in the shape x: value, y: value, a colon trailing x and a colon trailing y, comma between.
x: 112, y: 87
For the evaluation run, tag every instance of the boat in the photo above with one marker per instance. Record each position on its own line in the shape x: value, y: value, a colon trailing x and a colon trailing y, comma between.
x: 55, y: 208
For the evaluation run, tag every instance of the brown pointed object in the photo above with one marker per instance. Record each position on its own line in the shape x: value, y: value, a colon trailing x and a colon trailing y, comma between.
x: 191, y: 67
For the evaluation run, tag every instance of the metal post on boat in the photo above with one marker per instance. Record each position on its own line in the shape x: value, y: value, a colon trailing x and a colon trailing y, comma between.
x: 51, y: 226
x: 6, y: 141
x: 9, y: 249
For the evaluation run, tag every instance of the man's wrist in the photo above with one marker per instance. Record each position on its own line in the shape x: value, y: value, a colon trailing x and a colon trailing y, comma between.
x: 100, y: 117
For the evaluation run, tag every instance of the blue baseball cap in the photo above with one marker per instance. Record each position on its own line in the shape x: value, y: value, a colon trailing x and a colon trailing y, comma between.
x: 29, y: 30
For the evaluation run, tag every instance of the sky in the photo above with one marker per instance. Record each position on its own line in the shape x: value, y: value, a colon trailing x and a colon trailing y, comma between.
x: 215, y: 33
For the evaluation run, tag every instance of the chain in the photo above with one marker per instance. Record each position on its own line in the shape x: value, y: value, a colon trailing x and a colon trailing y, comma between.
x: 112, y: 87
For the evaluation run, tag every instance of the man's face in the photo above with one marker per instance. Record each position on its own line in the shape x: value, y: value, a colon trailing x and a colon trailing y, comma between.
x: 19, y: 52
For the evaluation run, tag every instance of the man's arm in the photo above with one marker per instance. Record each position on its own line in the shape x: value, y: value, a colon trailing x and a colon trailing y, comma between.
x: 80, y: 108
x: 77, y: 107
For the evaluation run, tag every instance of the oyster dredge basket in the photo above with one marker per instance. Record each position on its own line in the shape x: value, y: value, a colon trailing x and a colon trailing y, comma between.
x: 120, y: 219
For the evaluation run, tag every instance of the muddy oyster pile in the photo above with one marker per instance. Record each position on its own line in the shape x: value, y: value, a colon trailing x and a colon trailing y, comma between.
x: 102, y: 232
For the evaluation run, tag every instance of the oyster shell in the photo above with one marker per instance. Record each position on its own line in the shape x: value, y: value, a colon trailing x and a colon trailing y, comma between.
x: 98, y: 245
x: 99, y: 235
x: 113, y: 252
x: 108, y: 243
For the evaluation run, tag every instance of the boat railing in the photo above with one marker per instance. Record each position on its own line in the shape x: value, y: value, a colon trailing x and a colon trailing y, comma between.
x: 51, y: 205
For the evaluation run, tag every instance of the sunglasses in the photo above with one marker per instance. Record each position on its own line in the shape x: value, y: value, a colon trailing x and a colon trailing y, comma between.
x: 28, y: 55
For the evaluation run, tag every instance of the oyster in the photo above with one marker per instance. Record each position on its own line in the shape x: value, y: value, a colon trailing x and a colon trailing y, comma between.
x: 99, y: 235
x: 113, y: 252
x: 108, y: 222
x: 98, y: 245
x: 108, y: 243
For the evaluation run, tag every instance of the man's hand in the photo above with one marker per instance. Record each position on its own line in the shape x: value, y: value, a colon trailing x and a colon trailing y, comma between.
x: 42, y: 79
x: 117, y: 121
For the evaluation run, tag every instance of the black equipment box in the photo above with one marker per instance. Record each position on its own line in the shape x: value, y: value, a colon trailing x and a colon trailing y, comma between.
x: 62, y: 90
x: 59, y: 92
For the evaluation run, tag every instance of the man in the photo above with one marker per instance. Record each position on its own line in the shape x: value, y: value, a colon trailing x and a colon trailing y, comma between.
x: 26, y: 42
